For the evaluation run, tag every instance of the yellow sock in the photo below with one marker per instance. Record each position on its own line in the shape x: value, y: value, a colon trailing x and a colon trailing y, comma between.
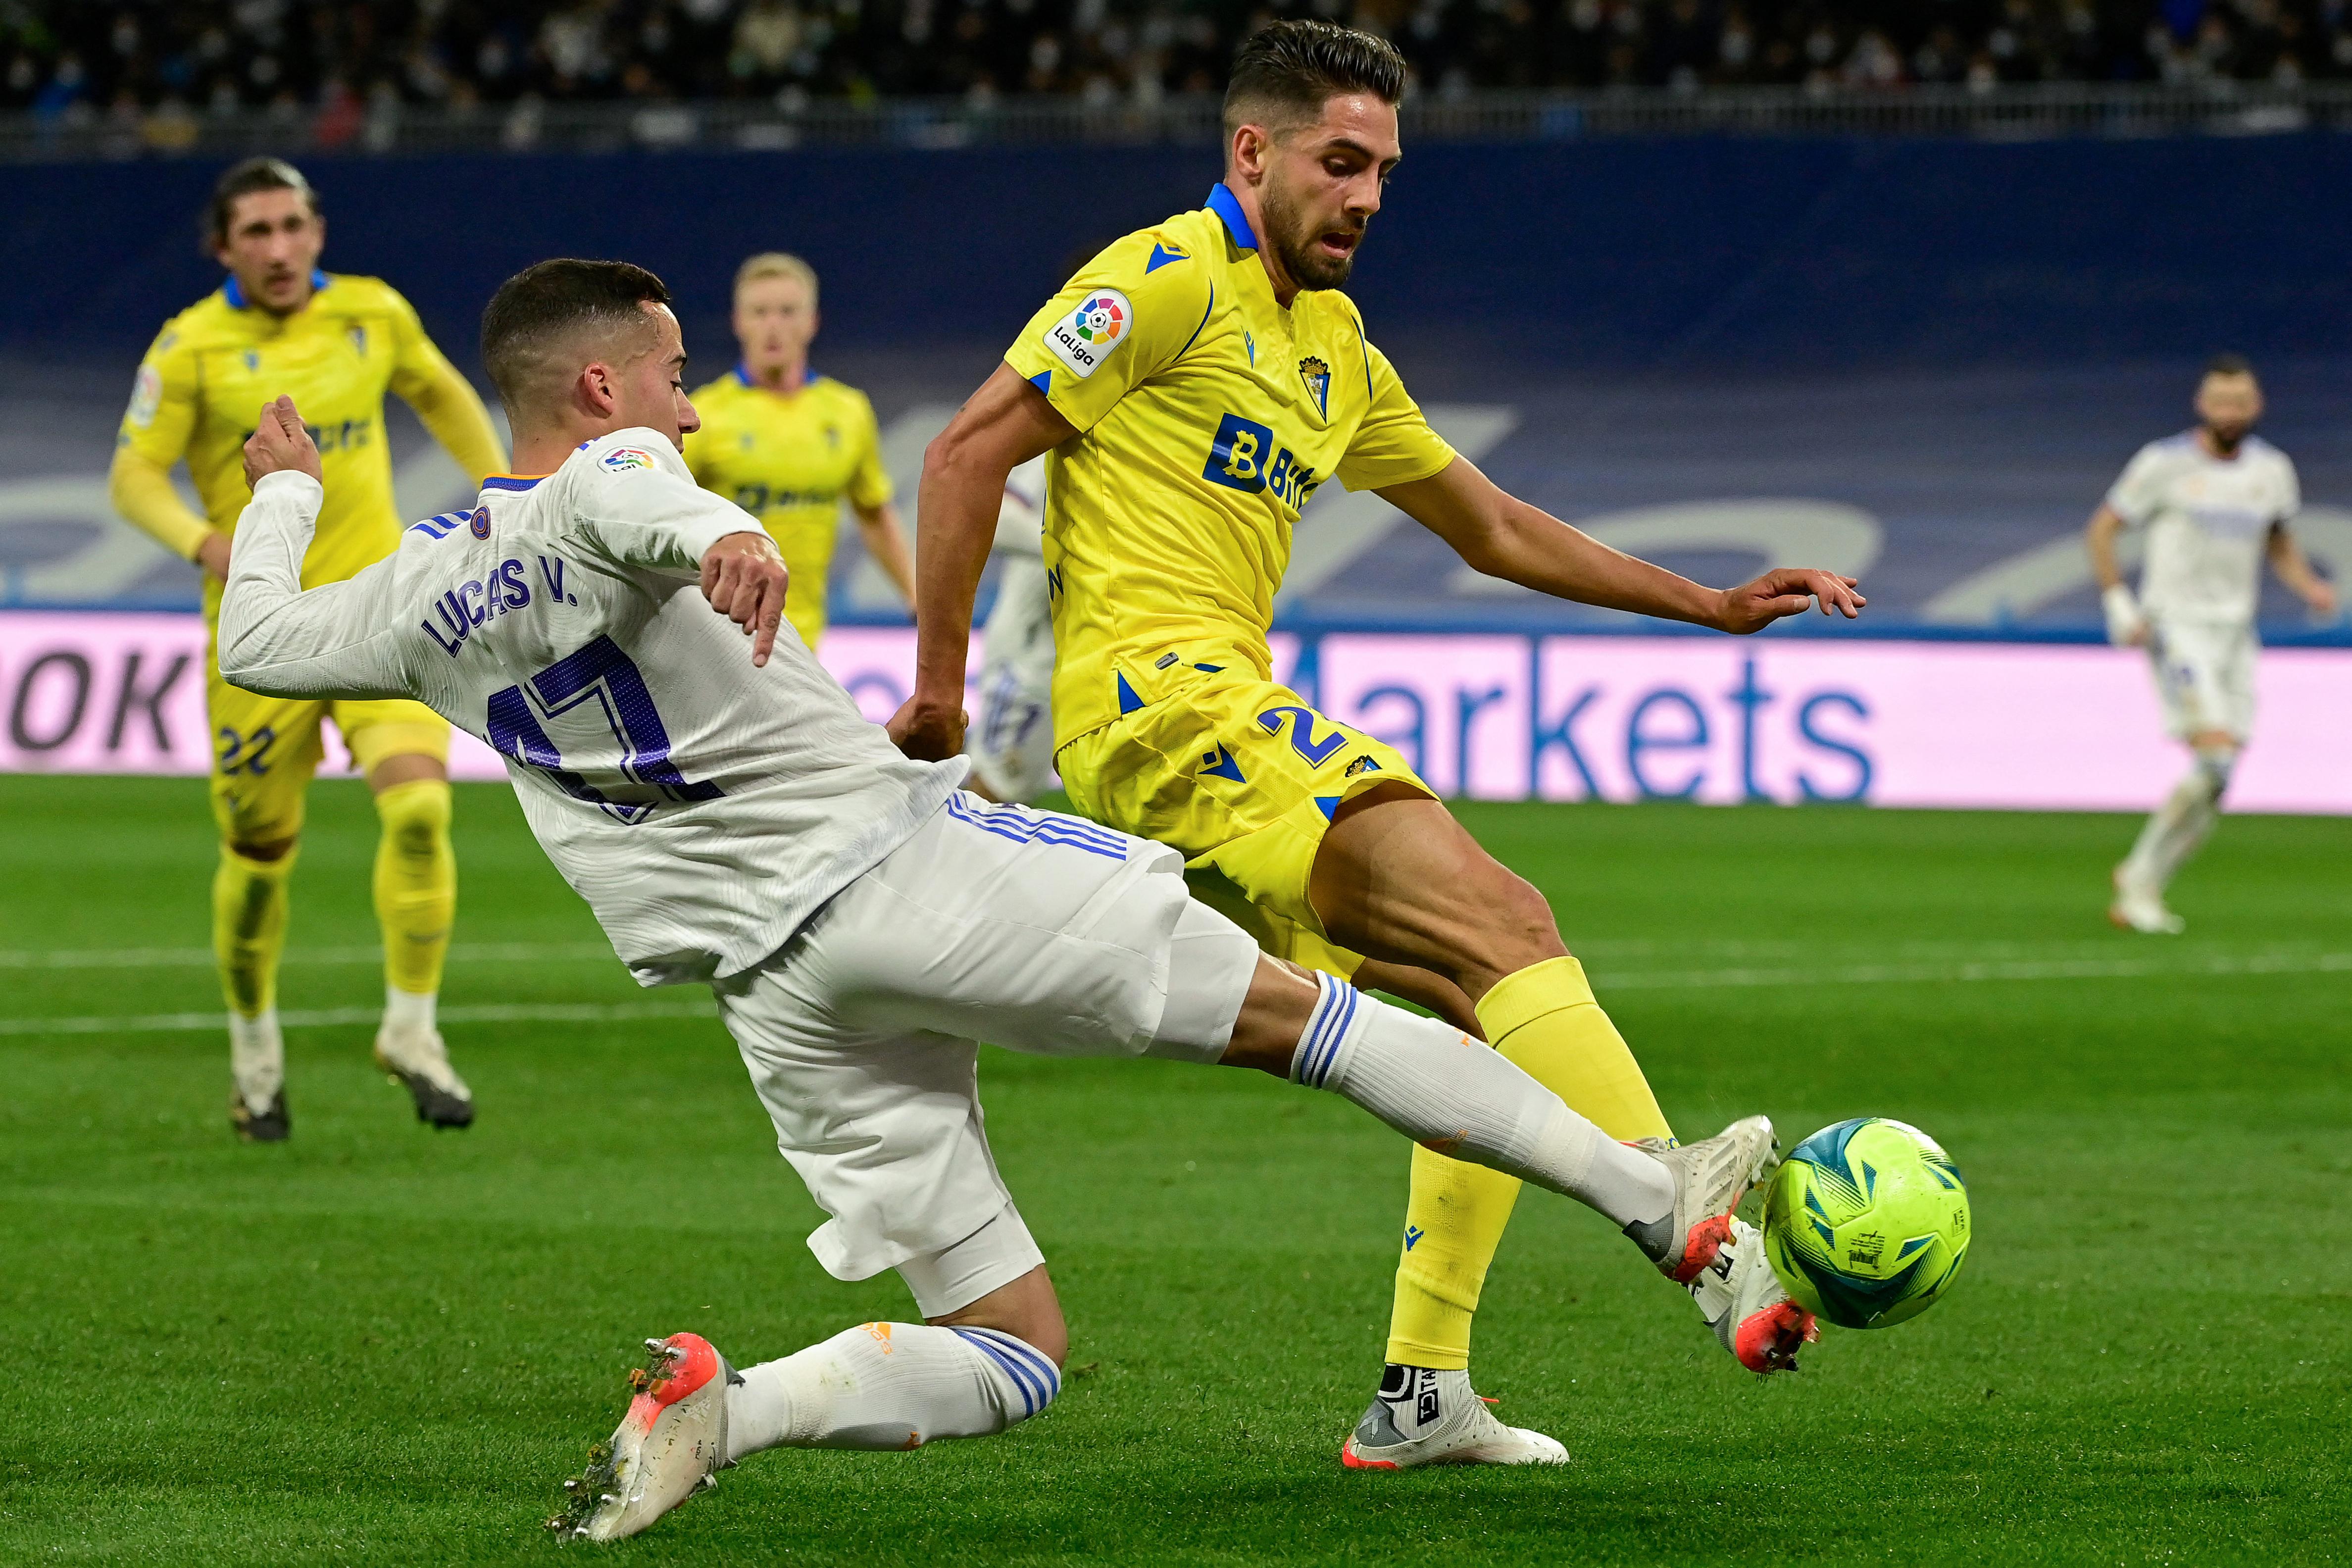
x: 416, y: 884
x: 249, y: 927
x: 1545, y: 1019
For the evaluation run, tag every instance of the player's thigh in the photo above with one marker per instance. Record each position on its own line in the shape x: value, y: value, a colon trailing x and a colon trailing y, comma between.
x: 264, y: 750
x: 2204, y: 678
x: 884, y: 1127
x: 1239, y: 776
x: 1035, y: 930
x: 1399, y: 879
x: 376, y: 732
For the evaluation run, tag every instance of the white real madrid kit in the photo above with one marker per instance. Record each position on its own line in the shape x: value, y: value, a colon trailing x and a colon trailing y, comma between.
x: 2208, y: 520
x: 861, y: 918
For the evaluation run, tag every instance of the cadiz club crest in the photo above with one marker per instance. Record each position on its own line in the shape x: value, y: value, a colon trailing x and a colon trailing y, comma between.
x: 1317, y: 377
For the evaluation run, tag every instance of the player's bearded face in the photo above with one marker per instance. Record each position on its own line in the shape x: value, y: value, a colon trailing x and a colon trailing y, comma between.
x: 1323, y: 185
x: 2229, y: 405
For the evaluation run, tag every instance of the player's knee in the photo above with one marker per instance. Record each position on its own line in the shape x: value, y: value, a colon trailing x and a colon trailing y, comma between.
x: 415, y: 817
x: 1511, y: 926
x: 2214, y: 765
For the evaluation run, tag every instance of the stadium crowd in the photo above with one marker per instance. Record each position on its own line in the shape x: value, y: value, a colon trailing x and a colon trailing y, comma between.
x: 79, y: 57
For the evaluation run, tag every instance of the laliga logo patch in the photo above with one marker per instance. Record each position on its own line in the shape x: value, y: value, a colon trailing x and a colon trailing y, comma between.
x: 146, y: 396
x: 620, y: 459
x: 481, y: 522
x: 1087, y: 336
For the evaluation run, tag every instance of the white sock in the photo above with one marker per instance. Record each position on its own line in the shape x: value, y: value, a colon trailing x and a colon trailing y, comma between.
x: 1440, y: 1087
x: 408, y: 1012
x: 2178, y: 827
x: 889, y: 1386
x: 257, y: 1058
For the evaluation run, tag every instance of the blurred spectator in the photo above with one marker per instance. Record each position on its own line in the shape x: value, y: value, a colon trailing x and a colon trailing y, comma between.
x: 350, y: 65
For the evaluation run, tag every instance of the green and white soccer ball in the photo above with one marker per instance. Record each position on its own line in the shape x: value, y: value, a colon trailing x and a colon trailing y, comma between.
x: 1867, y: 1223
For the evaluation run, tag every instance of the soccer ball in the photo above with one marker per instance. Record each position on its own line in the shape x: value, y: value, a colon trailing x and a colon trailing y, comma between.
x: 1867, y: 1223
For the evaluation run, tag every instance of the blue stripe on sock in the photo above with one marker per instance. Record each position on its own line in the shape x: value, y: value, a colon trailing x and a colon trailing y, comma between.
x: 1049, y: 1376
x: 1344, y: 1016
x: 1320, y: 1028
x: 1328, y: 1055
x: 1023, y: 1378
x: 1039, y: 1363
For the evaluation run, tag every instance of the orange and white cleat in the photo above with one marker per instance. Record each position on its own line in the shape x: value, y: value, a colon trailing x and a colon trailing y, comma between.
x: 671, y: 1445
x: 1710, y: 1178
x: 1424, y: 1416
x: 1750, y: 1310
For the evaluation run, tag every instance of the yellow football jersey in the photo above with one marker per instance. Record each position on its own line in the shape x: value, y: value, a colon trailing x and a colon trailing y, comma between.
x: 215, y: 363
x: 791, y: 462
x: 1208, y: 415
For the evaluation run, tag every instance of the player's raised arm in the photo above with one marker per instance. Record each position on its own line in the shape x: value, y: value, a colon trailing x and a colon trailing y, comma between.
x: 277, y: 638
x: 1505, y: 537
x: 1007, y: 422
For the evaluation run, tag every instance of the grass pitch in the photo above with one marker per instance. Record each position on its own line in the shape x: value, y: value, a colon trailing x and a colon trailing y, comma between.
x: 378, y: 1343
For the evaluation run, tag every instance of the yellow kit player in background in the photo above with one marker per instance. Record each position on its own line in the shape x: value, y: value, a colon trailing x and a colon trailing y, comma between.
x: 337, y: 344
x: 789, y: 447
x: 1193, y: 386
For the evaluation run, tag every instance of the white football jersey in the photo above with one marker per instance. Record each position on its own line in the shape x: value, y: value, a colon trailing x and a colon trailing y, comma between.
x: 703, y: 807
x: 2208, y: 521
x: 1021, y: 518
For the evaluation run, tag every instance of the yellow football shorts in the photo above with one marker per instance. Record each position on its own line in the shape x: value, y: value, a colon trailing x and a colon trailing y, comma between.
x: 264, y: 749
x: 1240, y: 777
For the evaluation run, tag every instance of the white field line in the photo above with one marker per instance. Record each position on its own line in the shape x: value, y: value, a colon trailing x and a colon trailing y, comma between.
x: 1632, y: 980
x: 517, y: 1013
x: 1989, y: 970
x: 202, y: 957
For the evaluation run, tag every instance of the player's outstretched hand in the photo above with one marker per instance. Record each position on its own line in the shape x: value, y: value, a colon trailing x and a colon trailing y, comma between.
x: 929, y: 733
x: 744, y: 579
x: 279, y: 443
x: 1787, y: 591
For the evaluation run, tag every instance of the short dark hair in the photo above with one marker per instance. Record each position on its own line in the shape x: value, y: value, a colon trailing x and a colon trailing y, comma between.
x: 1290, y: 69
x: 544, y: 304
x: 244, y: 179
x: 2228, y: 364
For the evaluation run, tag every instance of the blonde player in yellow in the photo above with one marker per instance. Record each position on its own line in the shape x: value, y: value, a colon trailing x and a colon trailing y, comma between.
x: 789, y: 445
x: 1194, y: 386
x: 337, y: 343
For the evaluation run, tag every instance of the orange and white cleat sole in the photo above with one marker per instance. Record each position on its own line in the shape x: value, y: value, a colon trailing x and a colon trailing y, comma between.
x: 670, y: 1445
x: 1750, y: 1310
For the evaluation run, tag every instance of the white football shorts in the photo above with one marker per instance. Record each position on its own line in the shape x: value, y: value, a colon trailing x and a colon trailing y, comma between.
x: 1013, y: 745
x: 2205, y: 676
x: 1029, y: 929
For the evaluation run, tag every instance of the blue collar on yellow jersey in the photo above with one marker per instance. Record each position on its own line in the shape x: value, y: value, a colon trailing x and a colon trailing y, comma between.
x: 1228, y: 206
x: 236, y: 296
x: 808, y: 375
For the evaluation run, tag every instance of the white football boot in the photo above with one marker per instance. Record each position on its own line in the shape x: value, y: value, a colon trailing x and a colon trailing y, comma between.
x: 418, y: 1061
x: 671, y: 1445
x: 2139, y: 907
x: 1744, y: 1303
x: 1710, y: 1178
x: 1424, y: 1416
